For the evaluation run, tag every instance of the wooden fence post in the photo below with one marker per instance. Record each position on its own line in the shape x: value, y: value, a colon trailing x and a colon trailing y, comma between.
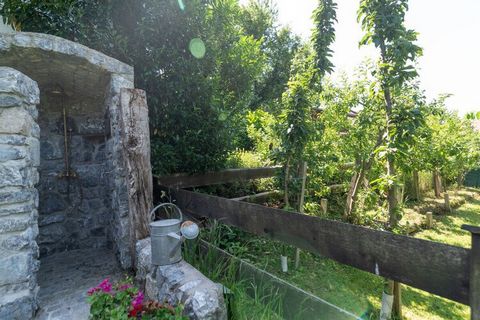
x: 300, y: 205
x: 429, y: 219
x: 447, y: 202
x: 474, y: 293
x: 324, y: 205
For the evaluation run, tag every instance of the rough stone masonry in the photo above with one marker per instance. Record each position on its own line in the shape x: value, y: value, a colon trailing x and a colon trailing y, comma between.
x: 19, y: 159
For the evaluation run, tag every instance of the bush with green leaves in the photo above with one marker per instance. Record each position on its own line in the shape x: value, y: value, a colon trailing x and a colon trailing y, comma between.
x: 197, y: 105
x: 122, y: 300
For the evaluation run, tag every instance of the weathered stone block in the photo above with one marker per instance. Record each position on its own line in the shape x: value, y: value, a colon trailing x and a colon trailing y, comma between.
x: 20, y: 306
x: 15, y: 195
x: 46, y: 219
x: 15, y: 223
x: 11, y: 173
x: 180, y: 283
x: 16, y: 83
x: 19, y: 241
x: 13, y: 140
x: 52, y: 202
x: 16, y: 208
x: 16, y: 268
x: 51, y: 234
x: 11, y: 153
x: 18, y: 121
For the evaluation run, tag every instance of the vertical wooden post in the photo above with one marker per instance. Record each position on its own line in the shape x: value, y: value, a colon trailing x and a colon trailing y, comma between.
x: 447, y: 203
x: 300, y: 205
x: 397, y: 299
x: 437, y: 183
x: 324, y: 205
x: 429, y: 219
x: 474, y: 294
x: 416, y: 185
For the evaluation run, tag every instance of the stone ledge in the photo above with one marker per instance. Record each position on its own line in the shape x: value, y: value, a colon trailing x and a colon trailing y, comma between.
x: 46, y: 42
x: 180, y: 283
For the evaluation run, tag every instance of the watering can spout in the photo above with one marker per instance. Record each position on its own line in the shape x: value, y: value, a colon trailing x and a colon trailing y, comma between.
x: 180, y: 240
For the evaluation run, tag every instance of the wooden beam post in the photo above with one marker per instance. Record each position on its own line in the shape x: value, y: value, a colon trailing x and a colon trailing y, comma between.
x: 300, y: 206
x: 448, y: 208
x: 429, y: 219
x: 324, y: 205
x: 474, y: 294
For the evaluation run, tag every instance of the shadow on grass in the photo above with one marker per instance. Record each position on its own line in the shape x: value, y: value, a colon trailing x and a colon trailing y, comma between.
x: 419, y: 300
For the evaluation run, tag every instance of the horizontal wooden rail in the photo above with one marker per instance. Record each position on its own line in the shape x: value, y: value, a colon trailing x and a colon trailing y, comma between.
x: 183, y: 180
x: 434, y: 267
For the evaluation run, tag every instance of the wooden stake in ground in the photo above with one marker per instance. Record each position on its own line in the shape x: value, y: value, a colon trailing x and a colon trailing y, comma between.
x: 324, y: 205
x: 448, y: 209
x: 416, y: 185
x: 300, y: 205
x: 429, y: 220
x: 437, y: 183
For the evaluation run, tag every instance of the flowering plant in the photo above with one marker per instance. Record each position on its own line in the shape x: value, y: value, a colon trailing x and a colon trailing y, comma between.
x: 122, y: 301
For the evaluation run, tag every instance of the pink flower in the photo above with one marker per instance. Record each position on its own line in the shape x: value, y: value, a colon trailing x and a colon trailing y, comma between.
x: 138, y: 300
x: 105, y: 286
x: 137, y: 305
x: 92, y: 291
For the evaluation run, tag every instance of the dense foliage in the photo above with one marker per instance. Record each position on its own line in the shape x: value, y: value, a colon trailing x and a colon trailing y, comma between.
x: 122, y: 301
x: 226, y: 83
x: 197, y: 103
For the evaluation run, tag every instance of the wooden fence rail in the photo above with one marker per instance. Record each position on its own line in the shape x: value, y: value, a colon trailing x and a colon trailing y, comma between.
x: 183, y: 180
x: 434, y: 267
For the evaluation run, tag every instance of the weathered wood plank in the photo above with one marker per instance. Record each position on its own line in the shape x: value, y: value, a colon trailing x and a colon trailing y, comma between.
x: 296, y: 303
x: 434, y: 267
x: 135, y: 137
x: 474, y: 272
x: 182, y: 180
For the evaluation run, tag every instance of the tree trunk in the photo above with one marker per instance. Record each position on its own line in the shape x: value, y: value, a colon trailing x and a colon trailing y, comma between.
x: 437, y: 184
x: 391, y: 172
x: 285, y: 186
x: 359, y: 177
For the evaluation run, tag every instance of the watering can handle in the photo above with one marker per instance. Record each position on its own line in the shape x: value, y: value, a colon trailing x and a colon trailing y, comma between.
x: 152, y: 213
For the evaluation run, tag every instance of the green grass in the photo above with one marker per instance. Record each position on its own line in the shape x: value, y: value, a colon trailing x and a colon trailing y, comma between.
x: 354, y: 290
x: 246, y: 302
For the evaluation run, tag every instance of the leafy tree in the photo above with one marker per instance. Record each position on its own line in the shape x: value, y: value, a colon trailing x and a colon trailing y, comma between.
x: 383, y: 23
x: 452, y: 147
x: 307, y: 71
x: 197, y: 106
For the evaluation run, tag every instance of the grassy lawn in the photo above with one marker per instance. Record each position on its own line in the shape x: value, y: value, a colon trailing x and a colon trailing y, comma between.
x: 360, y: 292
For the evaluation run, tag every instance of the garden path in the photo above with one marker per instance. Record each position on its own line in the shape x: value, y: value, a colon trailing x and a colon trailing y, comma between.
x: 65, y: 277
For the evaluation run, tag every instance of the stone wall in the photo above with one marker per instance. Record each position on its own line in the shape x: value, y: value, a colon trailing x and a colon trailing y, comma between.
x: 19, y: 159
x: 74, y: 211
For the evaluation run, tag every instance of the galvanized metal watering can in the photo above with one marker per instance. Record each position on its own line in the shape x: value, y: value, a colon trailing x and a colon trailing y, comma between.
x: 167, y: 236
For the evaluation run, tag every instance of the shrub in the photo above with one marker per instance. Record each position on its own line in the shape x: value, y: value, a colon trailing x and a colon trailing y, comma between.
x: 123, y: 301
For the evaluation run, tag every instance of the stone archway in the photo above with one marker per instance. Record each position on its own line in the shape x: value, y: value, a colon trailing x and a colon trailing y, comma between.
x: 64, y: 170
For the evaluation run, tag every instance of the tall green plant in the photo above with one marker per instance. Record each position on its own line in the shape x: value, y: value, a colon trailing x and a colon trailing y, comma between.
x: 383, y: 23
x: 308, y: 69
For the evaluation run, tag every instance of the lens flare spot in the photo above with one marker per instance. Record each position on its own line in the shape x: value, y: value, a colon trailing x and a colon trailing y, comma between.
x: 181, y: 5
x: 197, y: 48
